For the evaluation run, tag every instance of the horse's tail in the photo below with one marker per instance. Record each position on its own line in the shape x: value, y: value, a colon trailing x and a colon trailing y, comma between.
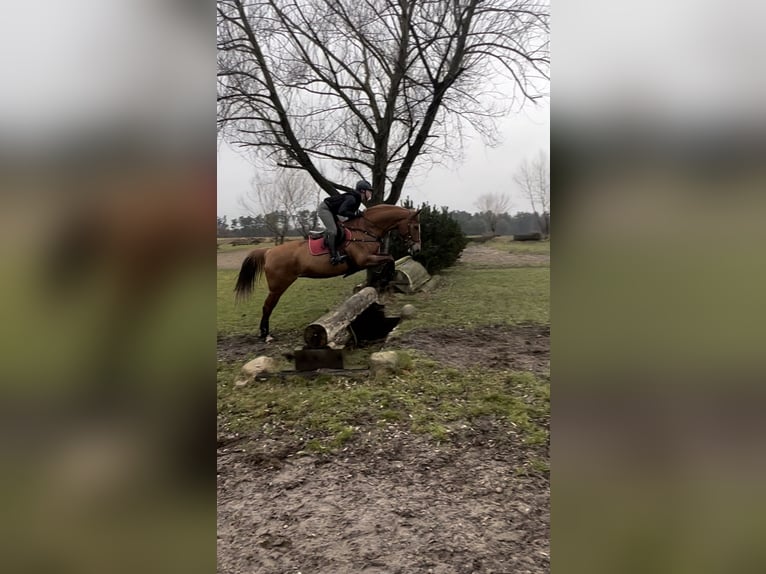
x: 252, y: 268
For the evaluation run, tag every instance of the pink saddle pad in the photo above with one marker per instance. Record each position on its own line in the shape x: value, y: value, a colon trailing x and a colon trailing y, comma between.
x: 317, y: 246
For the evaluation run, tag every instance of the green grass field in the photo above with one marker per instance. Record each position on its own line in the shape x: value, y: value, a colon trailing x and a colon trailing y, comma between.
x: 325, y: 412
x: 303, y: 302
x: 473, y: 296
x: 505, y: 243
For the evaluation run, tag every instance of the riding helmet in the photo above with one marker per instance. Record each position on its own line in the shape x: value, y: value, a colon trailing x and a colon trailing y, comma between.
x: 363, y: 185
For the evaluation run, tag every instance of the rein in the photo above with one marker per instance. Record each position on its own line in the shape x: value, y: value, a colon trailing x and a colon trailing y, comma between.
x: 375, y: 238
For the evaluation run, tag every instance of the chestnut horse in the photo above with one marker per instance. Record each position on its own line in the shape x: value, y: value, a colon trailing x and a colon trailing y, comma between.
x: 285, y: 263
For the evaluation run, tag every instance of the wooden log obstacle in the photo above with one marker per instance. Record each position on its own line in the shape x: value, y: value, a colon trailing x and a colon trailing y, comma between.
x: 331, y: 329
x: 410, y: 276
x: 528, y: 237
x: 358, y: 320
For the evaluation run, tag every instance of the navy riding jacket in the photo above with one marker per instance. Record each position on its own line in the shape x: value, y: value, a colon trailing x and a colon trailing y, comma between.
x: 345, y: 204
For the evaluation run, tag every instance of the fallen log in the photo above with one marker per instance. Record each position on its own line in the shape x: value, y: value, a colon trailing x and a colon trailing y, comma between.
x: 528, y: 237
x: 331, y: 329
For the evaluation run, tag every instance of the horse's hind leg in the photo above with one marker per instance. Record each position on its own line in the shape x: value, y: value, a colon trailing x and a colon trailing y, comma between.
x: 268, y: 306
x: 279, y: 276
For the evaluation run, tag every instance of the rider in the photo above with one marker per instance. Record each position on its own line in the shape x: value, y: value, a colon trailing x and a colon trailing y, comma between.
x: 343, y: 206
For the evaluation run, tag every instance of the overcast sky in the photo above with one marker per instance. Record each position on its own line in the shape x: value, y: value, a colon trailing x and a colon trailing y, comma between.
x: 458, y: 186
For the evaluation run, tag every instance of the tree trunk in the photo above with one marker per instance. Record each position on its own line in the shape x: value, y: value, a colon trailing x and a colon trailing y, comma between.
x: 332, y: 328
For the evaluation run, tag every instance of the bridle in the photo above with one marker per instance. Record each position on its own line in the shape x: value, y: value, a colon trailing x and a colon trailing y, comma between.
x: 379, y: 239
x: 410, y: 224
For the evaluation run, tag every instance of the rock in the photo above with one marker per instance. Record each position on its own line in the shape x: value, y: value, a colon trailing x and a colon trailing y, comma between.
x: 509, y: 536
x: 523, y: 508
x: 408, y: 311
x: 257, y: 366
x: 384, y: 362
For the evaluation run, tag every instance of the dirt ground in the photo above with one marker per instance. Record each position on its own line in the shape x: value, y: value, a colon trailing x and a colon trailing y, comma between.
x: 233, y: 259
x: 392, y: 502
x: 489, y: 256
x: 519, y: 348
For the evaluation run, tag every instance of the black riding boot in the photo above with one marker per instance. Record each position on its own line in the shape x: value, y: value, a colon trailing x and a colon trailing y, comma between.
x: 335, y: 259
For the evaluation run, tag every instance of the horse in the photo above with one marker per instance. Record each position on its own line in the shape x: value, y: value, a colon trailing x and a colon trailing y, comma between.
x: 283, y: 264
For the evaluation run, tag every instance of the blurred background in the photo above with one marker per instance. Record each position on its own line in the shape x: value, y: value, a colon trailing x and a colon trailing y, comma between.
x: 107, y: 228
x: 107, y: 203
x: 658, y: 173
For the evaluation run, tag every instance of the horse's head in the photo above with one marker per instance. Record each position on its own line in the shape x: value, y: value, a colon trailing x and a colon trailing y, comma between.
x: 409, y: 229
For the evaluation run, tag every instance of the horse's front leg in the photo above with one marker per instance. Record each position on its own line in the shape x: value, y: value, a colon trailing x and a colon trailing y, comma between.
x: 367, y: 260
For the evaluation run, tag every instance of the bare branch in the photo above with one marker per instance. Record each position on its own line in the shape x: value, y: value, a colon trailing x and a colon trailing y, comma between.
x: 492, y: 206
x: 534, y: 180
x: 381, y: 85
x: 279, y: 197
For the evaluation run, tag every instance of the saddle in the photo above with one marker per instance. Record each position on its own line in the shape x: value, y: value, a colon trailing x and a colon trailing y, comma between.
x: 317, y: 245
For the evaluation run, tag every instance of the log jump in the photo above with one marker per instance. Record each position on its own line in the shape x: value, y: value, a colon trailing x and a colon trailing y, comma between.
x: 358, y: 319
x: 331, y: 329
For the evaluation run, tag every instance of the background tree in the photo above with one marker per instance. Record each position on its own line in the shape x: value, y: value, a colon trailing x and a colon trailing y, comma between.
x: 280, y: 197
x: 534, y: 179
x: 469, y: 223
x: 253, y: 226
x: 491, y: 207
x: 521, y: 222
x: 222, y: 227
x: 325, y: 86
x: 442, y: 241
x: 305, y: 222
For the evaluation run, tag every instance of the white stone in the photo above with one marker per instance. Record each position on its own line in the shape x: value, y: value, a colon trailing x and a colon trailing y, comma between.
x: 254, y: 368
x: 408, y: 311
x: 384, y: 362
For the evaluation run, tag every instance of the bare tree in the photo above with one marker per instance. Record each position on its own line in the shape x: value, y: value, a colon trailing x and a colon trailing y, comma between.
x: 304, y: 222
x: 371, y: 86
x: 492, y: 206
x: 280, y: 198
x: 534, y: 179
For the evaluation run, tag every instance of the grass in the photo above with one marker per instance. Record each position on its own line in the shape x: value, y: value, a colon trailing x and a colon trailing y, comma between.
x: 305, y: 301
x: 472, y: 297
x: 469, y: 297
x: 324, y: 413
x: 264, y: 242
